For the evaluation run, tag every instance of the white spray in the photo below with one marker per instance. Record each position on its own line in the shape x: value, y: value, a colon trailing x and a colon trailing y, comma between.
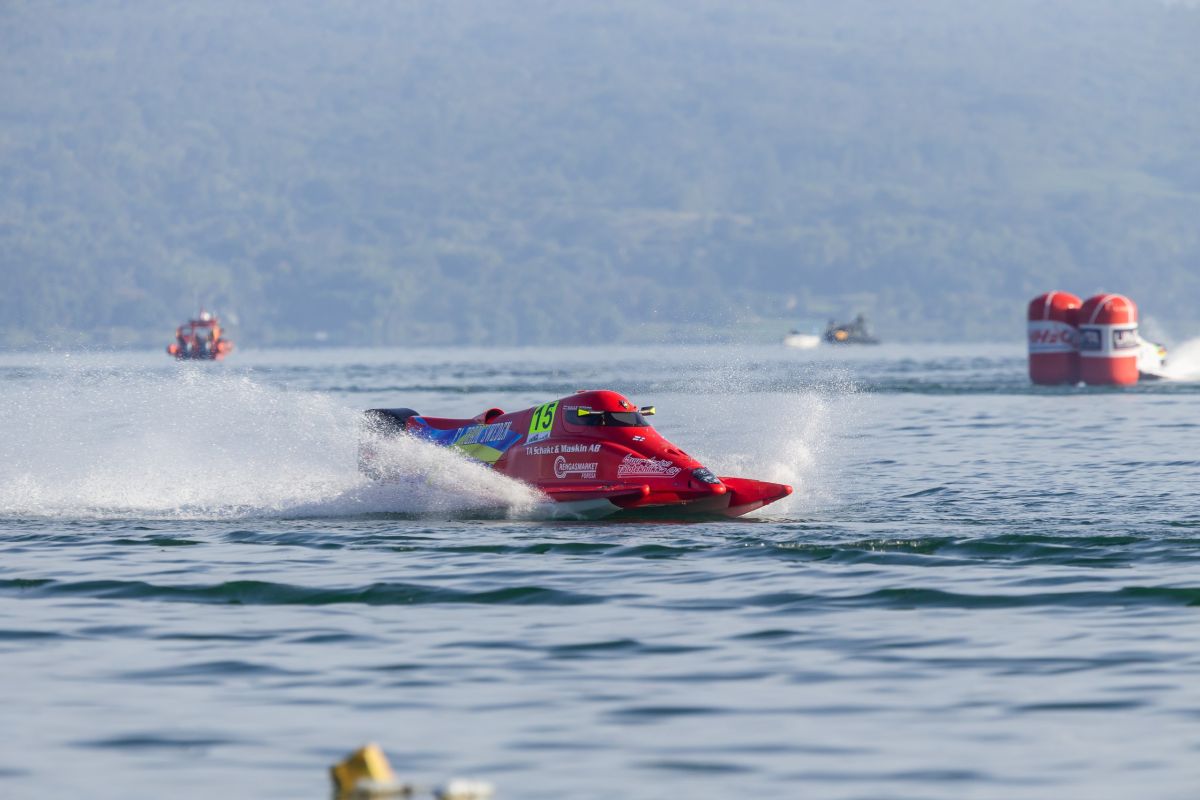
x: 1183, y: 361
x: 783, y: 437
x: 194, y: 444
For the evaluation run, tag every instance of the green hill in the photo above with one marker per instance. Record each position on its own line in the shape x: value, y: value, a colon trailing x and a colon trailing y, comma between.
x: 542, y: 171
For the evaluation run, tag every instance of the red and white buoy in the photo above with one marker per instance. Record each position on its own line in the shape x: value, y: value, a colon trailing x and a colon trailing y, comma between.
x: 1108, y: 341
x: 1053, y: 348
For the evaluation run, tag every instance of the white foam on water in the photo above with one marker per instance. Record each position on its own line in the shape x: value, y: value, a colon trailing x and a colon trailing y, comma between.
x: 200, y: 443
x: 197, y: 444
x: 1183, y: 361
x: 430, y: 480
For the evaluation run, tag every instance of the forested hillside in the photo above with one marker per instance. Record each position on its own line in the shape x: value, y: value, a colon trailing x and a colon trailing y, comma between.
x: 535, y: 170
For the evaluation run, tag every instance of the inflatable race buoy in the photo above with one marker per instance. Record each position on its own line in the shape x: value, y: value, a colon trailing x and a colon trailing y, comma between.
x: 1053, y: 347
x: 1108, y: 341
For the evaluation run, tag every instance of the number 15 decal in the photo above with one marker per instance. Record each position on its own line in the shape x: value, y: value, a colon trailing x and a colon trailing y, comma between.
x: 541, y: 422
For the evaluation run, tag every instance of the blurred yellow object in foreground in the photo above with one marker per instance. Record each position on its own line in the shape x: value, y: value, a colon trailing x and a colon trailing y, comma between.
x: 366, y: 773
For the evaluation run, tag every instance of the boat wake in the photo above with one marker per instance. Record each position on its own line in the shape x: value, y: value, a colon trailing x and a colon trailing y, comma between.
x: 426, y: 480
x: 193, y: 445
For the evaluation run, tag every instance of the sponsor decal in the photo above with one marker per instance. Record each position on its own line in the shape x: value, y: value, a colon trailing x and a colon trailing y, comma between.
x: 564, y: 468
x: 633, y: 466
x: 1109, y: 340
x: 1125, y: 339
x: 484, y: 434
x: 555, y: 449
x: 1090, y: 340
x: 1049, y: 336
x: 485, y: 443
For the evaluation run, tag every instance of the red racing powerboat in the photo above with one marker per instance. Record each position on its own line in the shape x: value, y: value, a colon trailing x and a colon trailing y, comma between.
x: 593, y: 453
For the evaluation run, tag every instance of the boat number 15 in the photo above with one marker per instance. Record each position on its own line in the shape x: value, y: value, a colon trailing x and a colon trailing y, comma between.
x: 542, y: 419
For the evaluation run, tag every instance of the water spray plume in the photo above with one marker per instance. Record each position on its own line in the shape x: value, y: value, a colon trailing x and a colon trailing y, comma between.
x: 1183, y: 361
x: 192, y: 444
x: 786, y: 437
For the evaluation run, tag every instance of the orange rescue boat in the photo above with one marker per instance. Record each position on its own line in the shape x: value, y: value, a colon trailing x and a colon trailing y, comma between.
x: 200, y: 339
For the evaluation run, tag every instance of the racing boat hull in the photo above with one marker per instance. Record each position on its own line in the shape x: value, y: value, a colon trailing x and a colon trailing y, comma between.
x: 592, y: 454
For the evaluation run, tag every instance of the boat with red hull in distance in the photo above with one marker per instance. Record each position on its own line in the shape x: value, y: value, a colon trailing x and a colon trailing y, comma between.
x: 200, y: 339
x: 593, y: 453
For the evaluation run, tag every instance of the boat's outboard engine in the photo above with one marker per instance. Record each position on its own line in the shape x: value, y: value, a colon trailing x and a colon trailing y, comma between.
x: 1108, y: 341
x: 376, y: 425
x: 1053, y: 339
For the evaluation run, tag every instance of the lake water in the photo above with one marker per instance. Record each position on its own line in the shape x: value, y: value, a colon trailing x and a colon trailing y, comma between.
x: 979, y: 589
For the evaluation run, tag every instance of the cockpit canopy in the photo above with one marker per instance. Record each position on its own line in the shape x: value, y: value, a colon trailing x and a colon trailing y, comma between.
x: 604, y: 409
x: 613, y: 419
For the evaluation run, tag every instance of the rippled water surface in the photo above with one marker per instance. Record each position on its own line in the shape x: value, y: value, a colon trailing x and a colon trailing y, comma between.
x: 979, y: 589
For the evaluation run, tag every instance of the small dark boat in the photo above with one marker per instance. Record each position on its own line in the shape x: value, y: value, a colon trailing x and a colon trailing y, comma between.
x: 856, y: 332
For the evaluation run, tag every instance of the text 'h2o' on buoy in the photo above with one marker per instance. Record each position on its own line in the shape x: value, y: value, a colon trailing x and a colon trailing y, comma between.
x: 1053, y: 349
x: 1108, y: 341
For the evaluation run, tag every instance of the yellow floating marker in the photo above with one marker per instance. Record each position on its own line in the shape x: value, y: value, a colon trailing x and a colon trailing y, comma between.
x: 366, y: 773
